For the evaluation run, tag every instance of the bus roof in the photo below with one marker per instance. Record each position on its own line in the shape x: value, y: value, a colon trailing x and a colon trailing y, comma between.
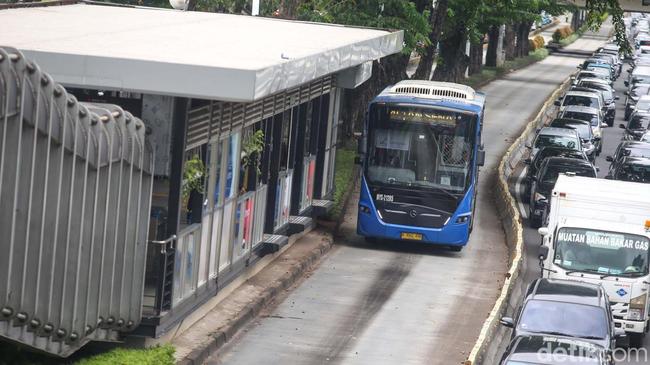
x: 433, y: 93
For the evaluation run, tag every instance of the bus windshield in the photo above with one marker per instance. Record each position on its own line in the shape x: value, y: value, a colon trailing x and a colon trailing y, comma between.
x: 418, y: 146
x: 602, y: 252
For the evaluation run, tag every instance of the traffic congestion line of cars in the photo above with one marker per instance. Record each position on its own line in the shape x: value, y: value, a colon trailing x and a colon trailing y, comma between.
x: 594, y: 255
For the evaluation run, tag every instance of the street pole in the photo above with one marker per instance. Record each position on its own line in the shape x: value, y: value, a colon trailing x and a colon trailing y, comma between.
x: 256, y: 8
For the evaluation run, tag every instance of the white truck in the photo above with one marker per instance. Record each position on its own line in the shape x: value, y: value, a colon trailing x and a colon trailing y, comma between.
x: 599, y: 232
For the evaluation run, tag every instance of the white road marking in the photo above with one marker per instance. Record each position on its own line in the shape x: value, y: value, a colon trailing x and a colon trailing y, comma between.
x: 522, y: 208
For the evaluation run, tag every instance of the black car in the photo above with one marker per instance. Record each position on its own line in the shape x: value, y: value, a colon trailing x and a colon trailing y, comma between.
x: 635, y: 169
x: 633, y: 96
x: 553, y: 350
x: 551, y: 151
x: 542, y: 184
x: 584, y: 131
x: 566, y: 308
x: 628, y: 149
x: 638, y: 124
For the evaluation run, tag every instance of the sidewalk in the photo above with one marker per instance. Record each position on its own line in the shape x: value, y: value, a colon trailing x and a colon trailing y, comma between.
x: 246, y: 301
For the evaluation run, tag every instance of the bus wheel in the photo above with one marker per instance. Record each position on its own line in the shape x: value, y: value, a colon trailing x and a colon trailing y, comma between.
x: 455, y: 248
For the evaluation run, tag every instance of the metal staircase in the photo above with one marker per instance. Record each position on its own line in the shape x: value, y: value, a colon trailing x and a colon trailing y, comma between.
x: 75, y: 194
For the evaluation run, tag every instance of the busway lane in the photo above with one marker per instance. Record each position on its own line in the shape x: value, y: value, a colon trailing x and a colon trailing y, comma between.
x: 612, y: 136
x: 398, y: 303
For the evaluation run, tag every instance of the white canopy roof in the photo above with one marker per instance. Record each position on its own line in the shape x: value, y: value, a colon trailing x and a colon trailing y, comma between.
x: 193, y: 54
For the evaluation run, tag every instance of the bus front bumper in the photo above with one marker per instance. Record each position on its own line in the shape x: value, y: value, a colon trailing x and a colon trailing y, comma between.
x: 452, y: 234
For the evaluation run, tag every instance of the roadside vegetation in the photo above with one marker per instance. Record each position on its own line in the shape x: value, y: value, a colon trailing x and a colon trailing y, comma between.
x: 158, y: 355
x: 492, y: 73
x: 343, y: 179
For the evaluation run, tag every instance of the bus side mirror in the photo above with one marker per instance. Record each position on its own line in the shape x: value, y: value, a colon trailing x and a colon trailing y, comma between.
x: 543, y: 253
x: 543, y: 231
x: 480, y: 157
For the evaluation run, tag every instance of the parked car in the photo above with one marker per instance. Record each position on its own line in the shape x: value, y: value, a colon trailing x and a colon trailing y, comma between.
x: 591, y: 74
x: 534, y: 163
x: 593, y: 116
x: 556, y: 137
x: 608, y: 94
x: 553, y: 350
x: 637, y: 126
x: 584, y: 132
x: 642, y: 105
x: 635, y: 169
x: 632, y: 97
x: 580, y: 98
x: 542, y: 184
x: 573, y: 309
x: 628, y: 149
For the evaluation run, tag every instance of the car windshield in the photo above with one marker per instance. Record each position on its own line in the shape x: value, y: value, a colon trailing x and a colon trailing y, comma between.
x: 553, y: 170
x: 550, y: 140
x: 559, y: 152
x: 639, y: 122
x: 591, y: 118
x: 634, y: 172
x: 570, y: 319
x: 420, y: 147
x: 610, y: 253
x: 581, y: 100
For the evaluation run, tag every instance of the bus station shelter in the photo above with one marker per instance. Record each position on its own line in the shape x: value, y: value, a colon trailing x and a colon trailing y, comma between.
x: 242, y: 113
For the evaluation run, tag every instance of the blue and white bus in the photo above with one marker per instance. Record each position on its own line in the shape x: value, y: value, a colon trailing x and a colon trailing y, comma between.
x: 420, y: 152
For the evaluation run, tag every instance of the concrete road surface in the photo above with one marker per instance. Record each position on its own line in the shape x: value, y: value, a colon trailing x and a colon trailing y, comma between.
x: 399, y: 303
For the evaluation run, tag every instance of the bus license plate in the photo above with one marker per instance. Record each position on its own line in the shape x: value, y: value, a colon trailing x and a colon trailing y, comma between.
x: 411, y: 236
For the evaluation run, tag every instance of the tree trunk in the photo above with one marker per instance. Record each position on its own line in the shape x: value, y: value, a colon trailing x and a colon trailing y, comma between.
x: 436, y: 19
x: 523, y: 29
x: 509, y: 42
x: 288, y: 8
x: 389, y: 70
x: 475, y: 57
x: 453, y: 60
x: 493, y: 44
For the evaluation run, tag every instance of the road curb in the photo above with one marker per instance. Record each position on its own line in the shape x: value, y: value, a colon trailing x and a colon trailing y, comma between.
x: 485, y: 349
x: 252, y: 310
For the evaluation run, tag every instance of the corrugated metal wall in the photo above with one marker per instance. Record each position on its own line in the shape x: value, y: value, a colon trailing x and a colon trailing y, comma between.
x: 75, y: 194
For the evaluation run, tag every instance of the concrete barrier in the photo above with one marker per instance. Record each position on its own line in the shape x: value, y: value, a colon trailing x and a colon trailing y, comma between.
x: 493, y: 337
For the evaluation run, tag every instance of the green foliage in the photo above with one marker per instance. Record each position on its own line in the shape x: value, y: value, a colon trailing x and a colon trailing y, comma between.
x: 492, y: 73
x: 158, y: 355
x: 193, y: 173
x: 252, y: 147
x: 389, y: 14
x: 597, y: 11
x: 343, y: 175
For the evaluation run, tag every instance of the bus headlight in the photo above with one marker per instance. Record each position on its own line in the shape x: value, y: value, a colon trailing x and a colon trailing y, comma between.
x: 462, y: 219
x: 637, y: 308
